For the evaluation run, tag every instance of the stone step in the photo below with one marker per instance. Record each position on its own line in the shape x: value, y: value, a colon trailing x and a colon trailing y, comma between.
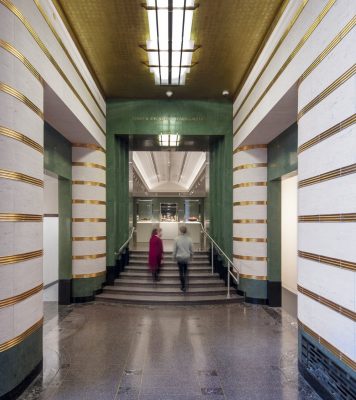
x: 142, y: 253
x: 191, y: 268
x: 169, y: 263
x: 174, y: 282
x: 168, y: 274
x: 159, y: 290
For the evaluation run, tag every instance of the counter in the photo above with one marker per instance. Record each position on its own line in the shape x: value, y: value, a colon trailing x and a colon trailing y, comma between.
x: 170, y: 230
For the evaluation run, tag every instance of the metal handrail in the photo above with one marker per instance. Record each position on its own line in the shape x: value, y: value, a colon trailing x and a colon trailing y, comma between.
x: 221, y: 252
x: 126, y: 243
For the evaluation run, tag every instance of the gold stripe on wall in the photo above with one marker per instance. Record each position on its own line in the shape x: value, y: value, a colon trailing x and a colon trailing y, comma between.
x: 17, y: 176
x: 278, y: 45
x: 20, y: 297
x: 335, y: 262
x: 87, y: 238
x: 4, y: 260
x: 89, y: 183
x: 20, y: 338
x: 21, y: 97
x: 88, y: 165
x: 250, y: 203
x: 255, y: 277
x: 96, y: 202
x: 250, y: 147
x: 348, y: 217
x: 249, y: 184
x: 249, y: 221
x: 255, y: 240
x: 11, y: 7
x: 92, y: 275
x: 89, y: 257
x: 341, y: 356
x: 21, y: 138
x: 327, y: 91
x: 328, y: 303
x: 11, y: 49
x: 247, y: 166
x: 88, y: 219
x: 250, y: 258
x: 336, y: 173
x: 337, y: 128
x: 296, y: 50
x: 14, y: 217
x: 89, y: 146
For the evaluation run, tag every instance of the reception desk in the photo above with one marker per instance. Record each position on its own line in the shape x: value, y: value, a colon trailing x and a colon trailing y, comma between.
x: 170, y: 230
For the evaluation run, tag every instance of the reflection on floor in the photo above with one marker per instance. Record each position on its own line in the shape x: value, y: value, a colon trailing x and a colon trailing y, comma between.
x: 110, y: 351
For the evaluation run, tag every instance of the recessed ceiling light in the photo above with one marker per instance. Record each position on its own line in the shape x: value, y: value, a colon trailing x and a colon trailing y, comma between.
x: 225, y: 92
x: 169, y: 93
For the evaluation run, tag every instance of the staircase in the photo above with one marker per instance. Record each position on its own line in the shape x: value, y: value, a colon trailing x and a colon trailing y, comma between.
x: 135, y: 285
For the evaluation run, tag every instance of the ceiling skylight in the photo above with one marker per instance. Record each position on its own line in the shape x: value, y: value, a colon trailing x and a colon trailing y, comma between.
x: 168, y: 140
x: 170, y: 49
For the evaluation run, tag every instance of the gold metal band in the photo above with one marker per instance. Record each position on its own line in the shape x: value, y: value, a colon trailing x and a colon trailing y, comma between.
x: 11, y: 7
x: 21, y: 97
x: 17, y: 176
x: 296, y: 50
x: 89, y: 257
x: 326, y: 92
x: 89, y: 146
x: 87, y: 238
x: 249, y: 221
x: 348, y: 217
x: 13, y: 217
x: 278, y: 45
x: 20, y: 297
x: 92, y: 275
x: 249, y: 184
x: 21, y: 138
x: 11, y: 49
x: 336, y: 173
x: 255, y: 277
x: 341, y: 356
x: 20, y: 338
x: 88, y: 165
x: 89, y: 183
x: 95, y: 202
x: 250, y: 203
x: 250, y: 258
x: 339, y: 127
x: 256, y: 240
x: 247, y: 166
x: 4, y: 260
x: 250, y: 147
x: 328, y: 303
x: 335, y: 262
x: 88, y: 219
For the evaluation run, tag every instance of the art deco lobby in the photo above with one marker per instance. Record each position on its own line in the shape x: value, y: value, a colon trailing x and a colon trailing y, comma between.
x: 177, y: 200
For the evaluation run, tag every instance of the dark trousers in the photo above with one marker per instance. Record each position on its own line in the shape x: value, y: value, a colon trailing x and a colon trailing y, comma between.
x: 183, y: 272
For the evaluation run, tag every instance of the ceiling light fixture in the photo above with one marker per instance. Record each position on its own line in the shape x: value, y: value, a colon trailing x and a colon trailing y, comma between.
x: 168, y: 140
x: 170, y: 48
x: 225, y: 92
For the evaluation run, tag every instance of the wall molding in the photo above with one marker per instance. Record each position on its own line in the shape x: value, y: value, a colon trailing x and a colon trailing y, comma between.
x: 89, y: 183
x: 89, y: 275
x: 89, y: 238
x: 10, y: 301
x: 249, y: 258
x: 88, y: 165
x: 255, y: 240
x: 10, y: 133
x: 249, y: 221
x: 335, y: 262
x: 89, y: 146
x: 5, y: 260
x: 336, y: 173
x: 249, y: 184
x: 247, y: 166
x: 94, y: 202
x: 348, y: 217
x: 250, y: 203
x: 89, y: 257
x: 17, y: 176
x: 254, y: 277
x: 250, y: 147
x: 14, y: 217
x: 88, y: 219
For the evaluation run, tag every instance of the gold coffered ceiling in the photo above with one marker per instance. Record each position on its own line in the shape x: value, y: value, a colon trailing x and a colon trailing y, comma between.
x: 110, y: 31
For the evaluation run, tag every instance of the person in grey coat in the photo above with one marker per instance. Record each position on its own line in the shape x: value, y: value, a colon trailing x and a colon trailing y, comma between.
x: 182, y: 253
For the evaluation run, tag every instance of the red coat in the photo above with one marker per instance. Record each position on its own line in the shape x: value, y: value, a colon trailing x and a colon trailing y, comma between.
x: 155, y: 253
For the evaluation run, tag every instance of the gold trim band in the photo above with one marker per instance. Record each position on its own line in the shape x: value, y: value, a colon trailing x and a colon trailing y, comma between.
x: 21, y: 138
x: 255, y: 277
x: 341, y: 356
x: 89, y: 146
x: 95, y: 202
x: 336, y: 173
x: 249, y: 184
x: 249, y: 258
x: 88, y: 165
x: 88, y: 219
x: 89, y: 257
x: 87, y: 238
x: 249, y: 221
x: 14, y: 217
x: 5, y: 260
x: 327, y: 91
x: 11, y: 49
x: 339, y: 127
x: 250, y: 203
x: 295, y: 51
x: 250, y: 147
x: 335, y: 262
x: 255, y: 240
x: 17, y: 176
x: 348, y: 217
x: 21, y: 97
x: 328, y: 303
x: 93, y: 275
x: 247, y: 166
x: 20, y: 338
x: 20, y: 297
x: 89, y: 183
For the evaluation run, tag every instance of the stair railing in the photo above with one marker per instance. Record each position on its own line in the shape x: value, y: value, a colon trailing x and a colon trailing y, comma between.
x: 232, y: 270
x: 117, y: 253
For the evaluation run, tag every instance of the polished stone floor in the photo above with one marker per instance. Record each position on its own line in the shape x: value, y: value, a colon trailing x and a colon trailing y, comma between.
x: 109, y: 351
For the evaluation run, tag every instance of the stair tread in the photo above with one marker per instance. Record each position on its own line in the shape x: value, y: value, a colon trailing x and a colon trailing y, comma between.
x: 157, y: 288
x: 164, y: 282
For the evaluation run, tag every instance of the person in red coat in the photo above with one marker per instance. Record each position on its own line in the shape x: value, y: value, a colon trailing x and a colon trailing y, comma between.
x: 155, y: 254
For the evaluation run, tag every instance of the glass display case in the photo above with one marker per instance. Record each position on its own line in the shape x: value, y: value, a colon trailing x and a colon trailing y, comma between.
x: 168, y: 212
x: 144, y: 210
x: 192, y: 210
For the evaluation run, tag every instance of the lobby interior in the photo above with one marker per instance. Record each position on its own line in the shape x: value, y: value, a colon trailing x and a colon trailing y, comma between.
x: 233, y: 118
